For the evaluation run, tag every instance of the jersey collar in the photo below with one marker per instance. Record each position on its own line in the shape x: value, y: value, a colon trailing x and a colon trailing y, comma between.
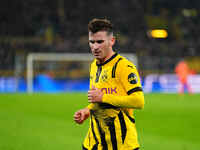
x: 111, y: 58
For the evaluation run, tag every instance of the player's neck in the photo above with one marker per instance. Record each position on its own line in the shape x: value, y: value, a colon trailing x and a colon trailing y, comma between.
x: 101, y: 61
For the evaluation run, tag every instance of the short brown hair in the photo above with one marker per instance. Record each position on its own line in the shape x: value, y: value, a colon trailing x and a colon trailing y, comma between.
x: 96, y: 25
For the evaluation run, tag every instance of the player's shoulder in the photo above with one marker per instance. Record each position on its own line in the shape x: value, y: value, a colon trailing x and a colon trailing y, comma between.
x: 125, y: 62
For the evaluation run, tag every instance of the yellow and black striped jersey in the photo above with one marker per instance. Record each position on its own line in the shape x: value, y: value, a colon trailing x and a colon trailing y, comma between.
x: 112, y: 124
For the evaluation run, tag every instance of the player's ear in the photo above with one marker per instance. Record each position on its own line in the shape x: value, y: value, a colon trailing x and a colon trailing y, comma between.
x: 113, y: 40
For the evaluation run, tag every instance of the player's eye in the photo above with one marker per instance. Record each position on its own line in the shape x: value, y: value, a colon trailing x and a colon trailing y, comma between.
x: 91, y: 41
x: 100, y: 41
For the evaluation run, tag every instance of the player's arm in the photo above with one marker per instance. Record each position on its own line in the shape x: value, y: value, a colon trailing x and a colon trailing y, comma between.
x: 81, y: 115
x: 135, y: 100
x: 129, y: 78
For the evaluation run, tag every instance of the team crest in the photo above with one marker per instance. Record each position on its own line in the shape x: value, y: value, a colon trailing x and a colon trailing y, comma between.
x: 132, y: 78
x: 104, y: 76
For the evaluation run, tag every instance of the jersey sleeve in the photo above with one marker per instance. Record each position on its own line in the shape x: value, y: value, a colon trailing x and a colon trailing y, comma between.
x: 129, y: 77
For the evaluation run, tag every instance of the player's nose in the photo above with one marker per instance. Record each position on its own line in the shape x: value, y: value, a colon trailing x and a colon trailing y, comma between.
x: 96, y: 46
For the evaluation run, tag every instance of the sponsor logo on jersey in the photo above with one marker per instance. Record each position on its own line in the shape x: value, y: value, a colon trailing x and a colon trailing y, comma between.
x: 132, y: 78
x: 130, y: 66
x: 109, y: 90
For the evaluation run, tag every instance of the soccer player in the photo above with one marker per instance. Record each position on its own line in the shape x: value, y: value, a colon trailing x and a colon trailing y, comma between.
x: 182, y: 71
x: 115, y: 91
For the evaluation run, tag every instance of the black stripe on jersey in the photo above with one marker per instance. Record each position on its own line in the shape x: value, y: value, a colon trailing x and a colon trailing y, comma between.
x: 107, y: 106
x: 83, y: 148
x: 131, y: 119
x: 102, y: 135
x: 134, y: 90
x: 111, y: 127
x: 114, y: 68
x: 95, y: 147
x: 92, y: 126
x: 123, y: 126
x: 98, y: 73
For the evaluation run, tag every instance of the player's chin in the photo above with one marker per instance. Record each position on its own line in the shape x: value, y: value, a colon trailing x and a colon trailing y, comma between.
x: 97, y: 55
x: 99, y: 58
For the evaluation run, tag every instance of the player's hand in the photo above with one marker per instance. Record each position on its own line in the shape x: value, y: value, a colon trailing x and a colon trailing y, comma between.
x: 95, y: 95
x: 81, y: 115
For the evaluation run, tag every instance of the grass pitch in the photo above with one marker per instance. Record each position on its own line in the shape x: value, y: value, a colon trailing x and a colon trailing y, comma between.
x: 45, y: 122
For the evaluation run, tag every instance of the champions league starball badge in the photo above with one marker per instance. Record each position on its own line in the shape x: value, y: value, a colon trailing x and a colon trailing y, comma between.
x: 132, y: 78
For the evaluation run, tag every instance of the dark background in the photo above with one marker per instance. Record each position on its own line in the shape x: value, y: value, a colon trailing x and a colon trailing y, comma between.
x: 61, y: 26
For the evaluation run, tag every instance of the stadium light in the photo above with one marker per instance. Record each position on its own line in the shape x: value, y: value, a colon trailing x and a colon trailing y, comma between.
x: 158, y: 33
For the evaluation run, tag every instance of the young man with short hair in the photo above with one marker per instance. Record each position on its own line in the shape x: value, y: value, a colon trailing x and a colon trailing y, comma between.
x: 115, y: 91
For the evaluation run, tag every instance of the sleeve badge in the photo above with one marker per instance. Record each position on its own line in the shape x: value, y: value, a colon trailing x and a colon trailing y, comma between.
x: 132, y: 78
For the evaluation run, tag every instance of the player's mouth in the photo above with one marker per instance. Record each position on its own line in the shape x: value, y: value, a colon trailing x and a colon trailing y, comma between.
x: 97, y: 53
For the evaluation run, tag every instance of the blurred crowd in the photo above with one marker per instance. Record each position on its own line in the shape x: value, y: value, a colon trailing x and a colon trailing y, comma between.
x: 61, y: 26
